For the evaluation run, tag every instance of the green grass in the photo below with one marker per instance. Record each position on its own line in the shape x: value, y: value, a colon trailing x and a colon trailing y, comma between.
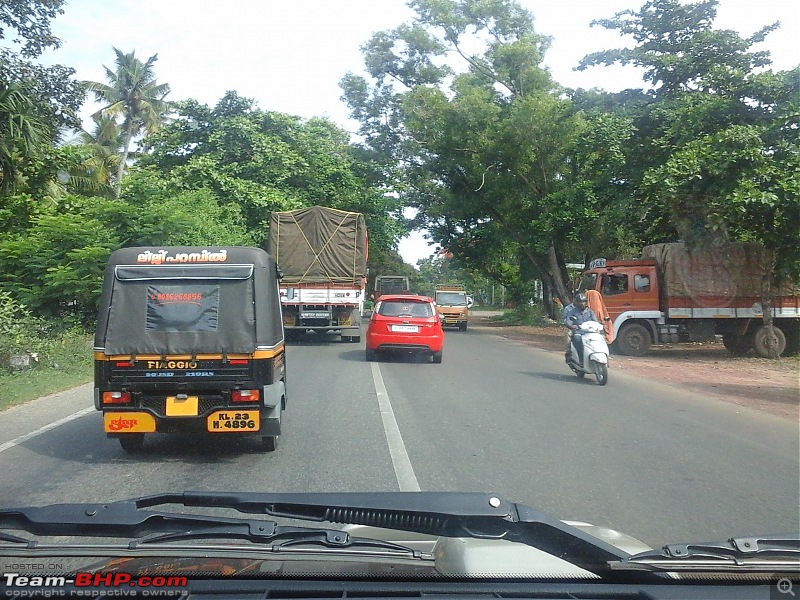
x: 523, y: 315
x: 64, y: 362
x: 29, y: 385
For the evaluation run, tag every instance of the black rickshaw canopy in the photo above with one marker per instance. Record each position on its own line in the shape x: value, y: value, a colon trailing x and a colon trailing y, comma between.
x: 189, y: 300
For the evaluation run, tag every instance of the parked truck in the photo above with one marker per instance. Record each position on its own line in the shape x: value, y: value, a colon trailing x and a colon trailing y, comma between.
x: 452, y: 304
x: 390, y: 284
x: 322, y: 254
x: 675, y: 294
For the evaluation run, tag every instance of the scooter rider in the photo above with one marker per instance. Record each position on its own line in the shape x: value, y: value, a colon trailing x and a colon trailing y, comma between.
x: 574, y: 315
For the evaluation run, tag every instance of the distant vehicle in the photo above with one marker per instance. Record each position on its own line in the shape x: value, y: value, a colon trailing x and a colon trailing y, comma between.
x: 405, y: 323
x: 322, y: 255
x: 190, y: 339
x: 674, y: 295
x: 390, y: 284
x: 452, y: 304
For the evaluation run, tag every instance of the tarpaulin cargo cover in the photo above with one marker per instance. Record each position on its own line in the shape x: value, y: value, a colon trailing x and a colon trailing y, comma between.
x: 703, y: 274
x: 319, y: 245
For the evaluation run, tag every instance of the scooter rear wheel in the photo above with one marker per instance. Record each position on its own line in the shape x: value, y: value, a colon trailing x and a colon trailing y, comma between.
x: 601, y: 372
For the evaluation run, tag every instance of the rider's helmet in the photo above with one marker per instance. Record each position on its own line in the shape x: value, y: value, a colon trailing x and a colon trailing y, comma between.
x: 579, y: 300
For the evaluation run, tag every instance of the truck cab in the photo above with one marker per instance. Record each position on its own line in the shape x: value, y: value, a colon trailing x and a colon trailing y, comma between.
x: 631, y: 292
x: 452, y: 304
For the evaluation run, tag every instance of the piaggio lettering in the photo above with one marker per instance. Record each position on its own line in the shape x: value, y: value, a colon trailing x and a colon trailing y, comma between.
x: 171, y: 364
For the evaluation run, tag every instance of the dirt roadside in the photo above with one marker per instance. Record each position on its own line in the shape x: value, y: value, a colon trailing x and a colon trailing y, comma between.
x: 705, y: 368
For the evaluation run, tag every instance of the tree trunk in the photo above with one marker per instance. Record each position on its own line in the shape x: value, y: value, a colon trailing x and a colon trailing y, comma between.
x: 766, y: 304
x: 122, y: 163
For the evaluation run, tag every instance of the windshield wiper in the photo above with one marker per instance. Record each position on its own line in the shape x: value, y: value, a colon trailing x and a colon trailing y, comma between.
x: 778, y: 551
x: 470, y: 515
x: 126, y: 520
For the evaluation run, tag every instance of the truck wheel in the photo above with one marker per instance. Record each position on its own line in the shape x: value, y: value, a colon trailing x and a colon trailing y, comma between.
x: 761, y: 341
x: 738, y: 345
x: 462, y: 326
x: 132, y: 442
x: 792, y: 334
x: 634, y: 340
x: 355, y: 339
x: 269, y: 443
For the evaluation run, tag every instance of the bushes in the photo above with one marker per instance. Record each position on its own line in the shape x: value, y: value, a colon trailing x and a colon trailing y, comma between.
x: 60, y: 353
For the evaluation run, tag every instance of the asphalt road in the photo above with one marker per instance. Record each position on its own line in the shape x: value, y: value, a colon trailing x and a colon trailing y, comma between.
x: 654, y: 462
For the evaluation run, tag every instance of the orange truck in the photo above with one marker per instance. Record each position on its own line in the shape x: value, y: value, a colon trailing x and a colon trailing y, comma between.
x: 674, y: 294
x: 452, y: 304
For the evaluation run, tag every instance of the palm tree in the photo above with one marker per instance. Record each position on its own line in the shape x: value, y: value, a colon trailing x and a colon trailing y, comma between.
x: 96, y: 174
x: 21, y: 132
x: 133, y: 94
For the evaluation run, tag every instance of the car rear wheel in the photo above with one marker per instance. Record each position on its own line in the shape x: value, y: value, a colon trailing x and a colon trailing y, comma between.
x: 436, y: 358
x: 132, y: 442
x: 371, y: 355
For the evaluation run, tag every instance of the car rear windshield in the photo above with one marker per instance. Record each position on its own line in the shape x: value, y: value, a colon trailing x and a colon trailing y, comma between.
x: 395, y: 308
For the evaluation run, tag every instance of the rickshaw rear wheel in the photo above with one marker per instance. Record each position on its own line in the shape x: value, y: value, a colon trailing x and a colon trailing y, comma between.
x: 269, y: 443
x: 132, y: 442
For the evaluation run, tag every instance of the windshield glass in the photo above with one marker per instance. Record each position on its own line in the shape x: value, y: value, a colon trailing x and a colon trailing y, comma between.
x: 395, y: 308
x: 451, y: 299
x: 332, y: 247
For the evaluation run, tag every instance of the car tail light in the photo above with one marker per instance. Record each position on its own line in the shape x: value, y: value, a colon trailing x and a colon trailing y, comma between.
x: 116, y: 397
x: 245, y: 396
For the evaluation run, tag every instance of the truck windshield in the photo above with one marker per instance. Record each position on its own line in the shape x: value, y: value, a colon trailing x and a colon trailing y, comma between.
x: 588, y: 281
x: 451, y: 299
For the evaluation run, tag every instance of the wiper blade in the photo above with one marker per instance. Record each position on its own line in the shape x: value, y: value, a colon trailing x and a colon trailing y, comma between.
x: 781, y: 550
x: 470, y: 515
x: 125, y: 520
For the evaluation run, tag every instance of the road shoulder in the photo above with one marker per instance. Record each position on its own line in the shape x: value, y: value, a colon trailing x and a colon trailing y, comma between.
x: 704, y: 368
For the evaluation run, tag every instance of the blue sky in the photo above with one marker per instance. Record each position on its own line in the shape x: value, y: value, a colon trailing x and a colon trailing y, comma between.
x: 289, y: 55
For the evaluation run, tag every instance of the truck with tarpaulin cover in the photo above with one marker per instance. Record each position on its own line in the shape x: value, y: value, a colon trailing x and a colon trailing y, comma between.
x: 678, y: 294
x: 322, y: 255
x: 190, y: 339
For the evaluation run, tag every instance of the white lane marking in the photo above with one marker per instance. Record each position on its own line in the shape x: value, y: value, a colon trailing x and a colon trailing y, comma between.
x: 24, y: 438
x: 397, y: 449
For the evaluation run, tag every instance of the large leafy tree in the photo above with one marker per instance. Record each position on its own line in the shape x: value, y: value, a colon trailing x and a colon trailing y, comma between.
x: 133, y: 95
x: 715, y: 158
x: 490, y: 151
x: 264, y: 161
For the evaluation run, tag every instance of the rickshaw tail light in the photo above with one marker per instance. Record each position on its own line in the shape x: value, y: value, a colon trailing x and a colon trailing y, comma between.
x: 116, y: 397
x: 245, y: 396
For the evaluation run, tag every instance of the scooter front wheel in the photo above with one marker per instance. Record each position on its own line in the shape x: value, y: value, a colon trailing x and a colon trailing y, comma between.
x: 601, y: 372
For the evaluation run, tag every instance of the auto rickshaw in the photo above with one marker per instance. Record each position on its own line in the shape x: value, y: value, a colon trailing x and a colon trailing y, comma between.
x: 190, y: 339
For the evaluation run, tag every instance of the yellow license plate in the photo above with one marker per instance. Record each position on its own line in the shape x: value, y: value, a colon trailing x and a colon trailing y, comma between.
x: 182, y: 407
x: 233, y: 421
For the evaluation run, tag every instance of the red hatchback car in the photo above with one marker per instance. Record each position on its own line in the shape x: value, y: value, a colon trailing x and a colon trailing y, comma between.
x: 405, y: 323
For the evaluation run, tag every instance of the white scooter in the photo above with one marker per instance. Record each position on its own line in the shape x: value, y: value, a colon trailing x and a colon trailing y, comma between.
x: 595, y: 352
